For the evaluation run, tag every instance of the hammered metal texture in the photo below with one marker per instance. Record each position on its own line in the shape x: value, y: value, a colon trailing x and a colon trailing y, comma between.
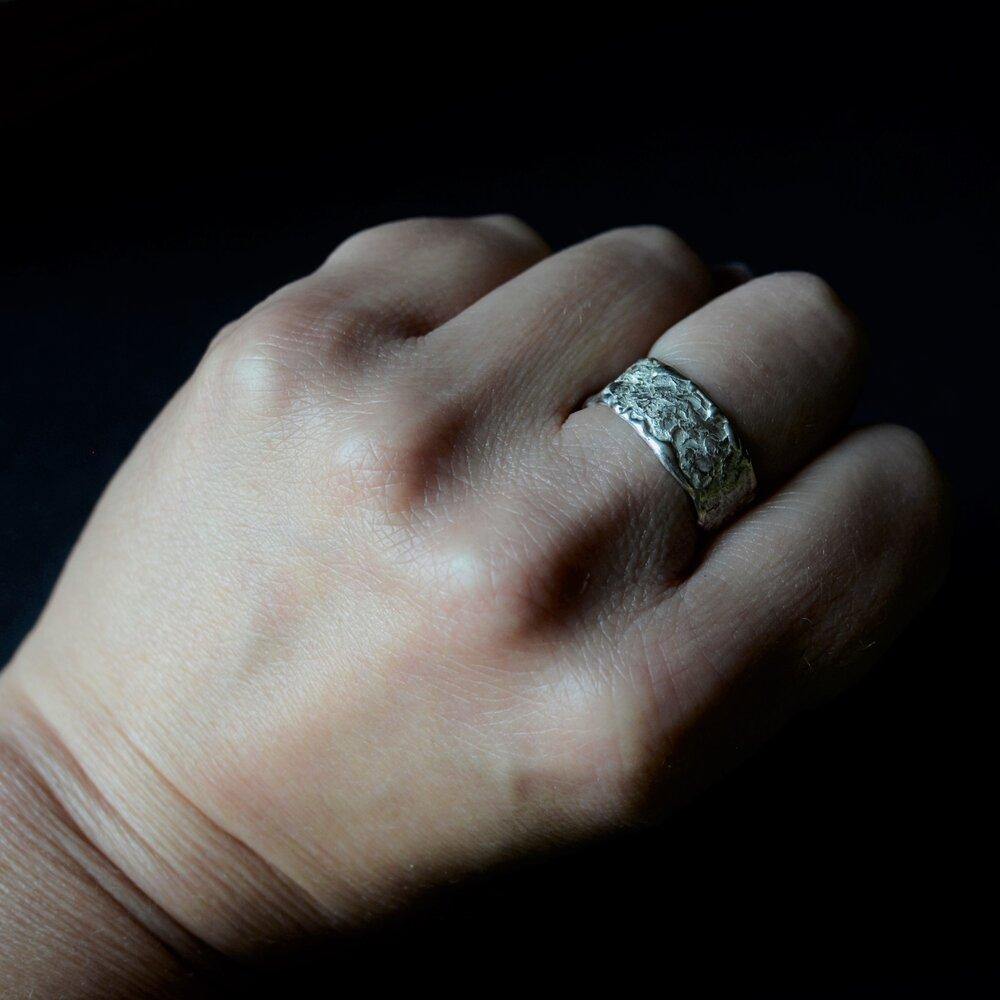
x: 689, y: 434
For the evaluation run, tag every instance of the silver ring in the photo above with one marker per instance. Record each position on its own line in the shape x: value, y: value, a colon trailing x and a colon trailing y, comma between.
x: 690, y: 435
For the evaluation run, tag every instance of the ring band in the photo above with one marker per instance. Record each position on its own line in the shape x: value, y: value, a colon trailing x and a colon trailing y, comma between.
x: 690, y: 435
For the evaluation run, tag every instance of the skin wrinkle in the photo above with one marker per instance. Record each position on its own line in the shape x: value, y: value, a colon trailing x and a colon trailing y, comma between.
x: 292, y: 900
x: 85, y: 863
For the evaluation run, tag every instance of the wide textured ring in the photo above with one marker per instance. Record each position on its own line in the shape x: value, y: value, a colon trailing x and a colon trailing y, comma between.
x: 690, y: 435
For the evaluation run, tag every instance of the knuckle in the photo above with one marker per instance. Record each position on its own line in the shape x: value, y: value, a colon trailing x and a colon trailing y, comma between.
x: 511, y: 231
x: 283, y: 347
x: 406, y: 236
x: 802, y: 286
x: 286, y: 322
x: 577, y: 756
x: 898, y: 479
x: 378, y: 471
x: 807, y: 292
x: 255, y: 366
x: 901, y: 483
x: 653, y: 239
x: 311, y: 319
x: 649, y: 248
x: 914, y: 468
x: 817, y: 316
x: 487, y: 588
x: 398, y: 460
x: 596, y: 748
x: 368, y: 473
x: 506, y: 221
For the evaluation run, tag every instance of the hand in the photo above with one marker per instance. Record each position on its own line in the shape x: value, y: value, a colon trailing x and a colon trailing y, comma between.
x: 374, y: 602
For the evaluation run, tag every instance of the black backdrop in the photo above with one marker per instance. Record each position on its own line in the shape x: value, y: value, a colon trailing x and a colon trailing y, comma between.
x: 165, y: 165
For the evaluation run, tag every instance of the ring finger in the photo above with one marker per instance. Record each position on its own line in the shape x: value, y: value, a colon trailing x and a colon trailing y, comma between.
x: 780, y: 355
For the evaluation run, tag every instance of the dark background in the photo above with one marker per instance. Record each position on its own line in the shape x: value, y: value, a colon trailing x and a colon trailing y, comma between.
x: 164, y: 166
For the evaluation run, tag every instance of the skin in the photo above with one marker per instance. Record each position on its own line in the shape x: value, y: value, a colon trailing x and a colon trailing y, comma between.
x: 374, y: 603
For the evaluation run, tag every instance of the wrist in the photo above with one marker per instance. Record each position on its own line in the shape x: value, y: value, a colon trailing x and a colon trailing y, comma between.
x: 197, y: 890
x: 72, y: 922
